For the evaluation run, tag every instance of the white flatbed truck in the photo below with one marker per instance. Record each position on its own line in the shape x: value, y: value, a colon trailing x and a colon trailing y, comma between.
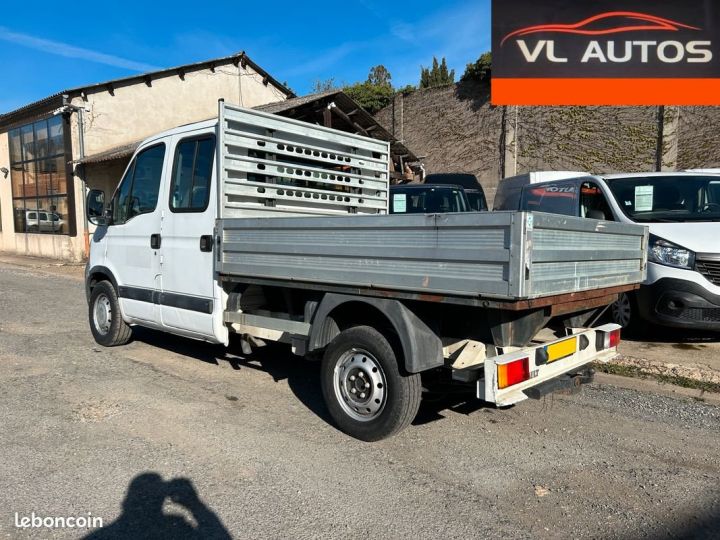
x: 278, y: 230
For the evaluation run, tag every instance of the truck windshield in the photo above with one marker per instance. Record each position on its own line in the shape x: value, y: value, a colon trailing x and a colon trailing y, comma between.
x: 668, y: 198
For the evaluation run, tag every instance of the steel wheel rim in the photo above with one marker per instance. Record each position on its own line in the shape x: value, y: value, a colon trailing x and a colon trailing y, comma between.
x: 360, y: 385
x: 102, y: 314
x: 622, y: 310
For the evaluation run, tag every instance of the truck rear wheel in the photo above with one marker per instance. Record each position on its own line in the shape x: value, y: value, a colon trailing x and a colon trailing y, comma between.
x: 106, y: 323
x: 366, y: 393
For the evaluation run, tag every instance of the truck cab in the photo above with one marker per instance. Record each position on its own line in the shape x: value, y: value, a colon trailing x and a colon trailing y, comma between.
x: 682, y: 211
x: 155, y: 237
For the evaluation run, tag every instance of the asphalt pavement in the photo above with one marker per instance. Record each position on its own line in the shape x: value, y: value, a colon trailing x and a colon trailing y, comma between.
x: 168, y: 436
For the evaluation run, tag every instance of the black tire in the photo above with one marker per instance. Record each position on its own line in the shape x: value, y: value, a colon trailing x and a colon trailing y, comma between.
x: 395, y: 394
x: 111, y: 330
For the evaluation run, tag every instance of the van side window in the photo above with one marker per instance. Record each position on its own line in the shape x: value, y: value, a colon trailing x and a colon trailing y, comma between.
x: 555, y: 198
x: 192, y: 170
x: 138, y: 192
x: 593, y: 203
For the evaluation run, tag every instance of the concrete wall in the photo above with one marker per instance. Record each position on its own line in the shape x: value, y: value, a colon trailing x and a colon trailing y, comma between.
x: 131, y: 112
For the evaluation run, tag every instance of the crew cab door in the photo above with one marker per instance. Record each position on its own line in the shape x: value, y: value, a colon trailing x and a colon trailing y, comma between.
x: 190, y: 300
x: 133, y: 239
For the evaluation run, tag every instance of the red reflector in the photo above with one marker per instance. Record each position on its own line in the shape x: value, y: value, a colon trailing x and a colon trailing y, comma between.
x: 514, y: 372
x: 614, y: 338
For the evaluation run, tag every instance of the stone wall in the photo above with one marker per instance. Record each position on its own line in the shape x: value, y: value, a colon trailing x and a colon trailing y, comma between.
x: 457, y: 130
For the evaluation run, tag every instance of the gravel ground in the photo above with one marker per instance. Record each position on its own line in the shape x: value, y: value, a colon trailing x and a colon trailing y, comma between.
x: 166, y: 436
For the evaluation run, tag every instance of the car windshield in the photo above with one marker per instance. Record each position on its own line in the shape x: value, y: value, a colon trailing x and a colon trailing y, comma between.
x: 668, y: 198
x: 428, y: 200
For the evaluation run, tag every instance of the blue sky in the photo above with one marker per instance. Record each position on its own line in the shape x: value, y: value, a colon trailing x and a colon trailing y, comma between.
x: 46, y: 47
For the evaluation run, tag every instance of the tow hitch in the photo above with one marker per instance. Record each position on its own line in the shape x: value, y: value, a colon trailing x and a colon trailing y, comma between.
x: 570, y: 381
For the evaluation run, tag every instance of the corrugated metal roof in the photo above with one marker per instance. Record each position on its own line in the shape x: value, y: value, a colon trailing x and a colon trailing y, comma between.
x: 123, y: 151
x: 350, y: 107
x: 55, y: 100
x: 281, y: 106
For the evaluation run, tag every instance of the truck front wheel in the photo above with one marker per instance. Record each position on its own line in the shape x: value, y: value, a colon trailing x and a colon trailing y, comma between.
x: 106, y: 323
x: 366, y: 393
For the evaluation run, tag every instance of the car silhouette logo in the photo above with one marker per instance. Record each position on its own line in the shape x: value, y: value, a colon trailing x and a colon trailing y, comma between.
x: 614, y: 22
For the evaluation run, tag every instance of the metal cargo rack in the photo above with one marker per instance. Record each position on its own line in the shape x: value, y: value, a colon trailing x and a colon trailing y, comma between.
x: 273, y: 166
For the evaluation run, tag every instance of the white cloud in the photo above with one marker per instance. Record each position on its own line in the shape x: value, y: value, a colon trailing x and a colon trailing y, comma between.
x: 71, y: 51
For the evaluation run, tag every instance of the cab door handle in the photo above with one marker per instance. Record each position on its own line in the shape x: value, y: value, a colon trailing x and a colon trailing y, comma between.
x: 155, y: 240
x: 206, y: 243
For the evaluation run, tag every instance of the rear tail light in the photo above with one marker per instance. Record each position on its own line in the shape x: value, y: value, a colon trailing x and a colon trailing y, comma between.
x: 607, y: 340
x: 513, y: 372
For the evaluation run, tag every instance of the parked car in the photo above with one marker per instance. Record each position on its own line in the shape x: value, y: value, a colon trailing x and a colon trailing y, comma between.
x: 682, y: 211
x: 469, y: 182
x: 427, y: 199
x: 43, y: 221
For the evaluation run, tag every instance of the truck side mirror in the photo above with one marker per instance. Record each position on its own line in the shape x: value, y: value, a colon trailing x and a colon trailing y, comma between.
x: 95, y: 207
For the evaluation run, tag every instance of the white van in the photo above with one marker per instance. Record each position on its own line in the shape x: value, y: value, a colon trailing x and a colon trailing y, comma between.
x: 682, y: 211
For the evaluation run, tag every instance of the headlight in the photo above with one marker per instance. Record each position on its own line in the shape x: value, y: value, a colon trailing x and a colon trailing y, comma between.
x: 663, y: 252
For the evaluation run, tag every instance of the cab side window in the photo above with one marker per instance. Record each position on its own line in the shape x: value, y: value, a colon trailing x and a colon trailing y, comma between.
x: 593, y: 203
x: 139, y: 190
x: 192, y: 171
x: 555, y: 198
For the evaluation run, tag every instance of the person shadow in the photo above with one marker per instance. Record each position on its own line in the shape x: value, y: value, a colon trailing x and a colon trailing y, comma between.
x: 143, y: 517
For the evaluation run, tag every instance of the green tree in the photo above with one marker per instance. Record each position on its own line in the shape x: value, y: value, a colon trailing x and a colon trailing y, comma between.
x: 375, y: 93
x: 407, y: 89
x: 438, y: 75
x: 480, y: 69
x: 379, y: 76
x: 371, y: 97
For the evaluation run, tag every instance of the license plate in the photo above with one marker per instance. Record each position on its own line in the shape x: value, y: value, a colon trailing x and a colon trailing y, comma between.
x: 561, y: 349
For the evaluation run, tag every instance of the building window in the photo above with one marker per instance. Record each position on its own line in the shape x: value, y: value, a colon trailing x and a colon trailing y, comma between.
x: 39, y: 177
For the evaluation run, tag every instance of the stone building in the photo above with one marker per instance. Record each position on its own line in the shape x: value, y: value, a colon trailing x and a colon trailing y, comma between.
x: 53, y: 149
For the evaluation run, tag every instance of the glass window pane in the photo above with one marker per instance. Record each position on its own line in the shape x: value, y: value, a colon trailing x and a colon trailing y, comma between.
x: 56, y: 143
x: 15, y: 146
x: 560, y: 198
x: 146, y: 181
x: 26, y: 216
x: 43, y: 177
x: 182, y: 175
x: 52, y: 215
x: 30, y: 179
x: 120, y: 198
x: 41, y: 138
x: 59, y: 175
x: 191, y: 174
x: 16, y: 177
x: 28, y: 142
x: 203, y: 170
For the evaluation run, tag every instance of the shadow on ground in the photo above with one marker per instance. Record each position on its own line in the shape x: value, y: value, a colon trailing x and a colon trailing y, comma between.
x: 303, y: 376
x: 154, y: 508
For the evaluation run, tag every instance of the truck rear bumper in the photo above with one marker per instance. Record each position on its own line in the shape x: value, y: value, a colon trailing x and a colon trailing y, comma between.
x: 533, y: 372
